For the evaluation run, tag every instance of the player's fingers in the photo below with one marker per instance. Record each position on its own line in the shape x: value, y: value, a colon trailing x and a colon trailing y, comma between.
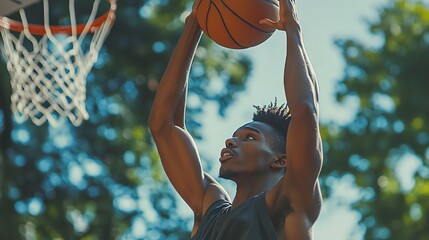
x: 195, y: 6
x: 270, y: 23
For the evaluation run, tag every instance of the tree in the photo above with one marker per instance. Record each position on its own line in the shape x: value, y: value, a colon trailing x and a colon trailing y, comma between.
x: 384, y: 149
x: 103, y: 180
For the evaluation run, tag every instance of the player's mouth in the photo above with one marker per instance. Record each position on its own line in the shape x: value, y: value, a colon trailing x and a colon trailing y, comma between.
x: 226, y: 154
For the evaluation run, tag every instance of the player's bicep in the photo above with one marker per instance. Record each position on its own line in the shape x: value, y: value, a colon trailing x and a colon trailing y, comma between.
x: 304, y: 152
x: 298, y: 189
x: 181, y: 162
x: 304, y: 147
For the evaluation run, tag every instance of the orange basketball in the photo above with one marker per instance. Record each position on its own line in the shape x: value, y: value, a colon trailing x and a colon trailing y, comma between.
x: 235, y: 23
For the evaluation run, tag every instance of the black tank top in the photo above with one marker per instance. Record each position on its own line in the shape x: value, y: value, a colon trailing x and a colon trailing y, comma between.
x: 248, y: 221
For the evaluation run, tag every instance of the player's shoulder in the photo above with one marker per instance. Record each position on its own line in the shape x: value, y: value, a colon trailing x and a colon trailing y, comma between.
x: 214, y: 192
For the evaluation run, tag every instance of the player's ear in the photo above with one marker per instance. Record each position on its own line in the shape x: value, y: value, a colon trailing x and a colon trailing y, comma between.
x: 279, y: 161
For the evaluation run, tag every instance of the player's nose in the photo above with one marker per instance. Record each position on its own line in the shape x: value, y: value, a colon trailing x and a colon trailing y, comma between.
x: 230, y: 143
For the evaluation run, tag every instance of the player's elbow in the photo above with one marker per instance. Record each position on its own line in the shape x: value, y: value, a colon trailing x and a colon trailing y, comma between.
x: 156, y: 124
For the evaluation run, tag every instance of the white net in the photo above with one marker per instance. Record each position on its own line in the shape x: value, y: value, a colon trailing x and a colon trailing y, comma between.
x: 48, y: 73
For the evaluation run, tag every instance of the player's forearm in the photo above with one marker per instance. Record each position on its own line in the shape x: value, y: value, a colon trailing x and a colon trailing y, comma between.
x: 179, y: 117
x: 301, y: 85
x: 169, y: 103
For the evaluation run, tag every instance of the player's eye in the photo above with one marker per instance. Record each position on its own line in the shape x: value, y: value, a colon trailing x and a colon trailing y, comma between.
x: 250, y: 137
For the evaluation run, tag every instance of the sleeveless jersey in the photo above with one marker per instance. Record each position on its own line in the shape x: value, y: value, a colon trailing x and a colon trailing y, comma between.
x: 248, y: 221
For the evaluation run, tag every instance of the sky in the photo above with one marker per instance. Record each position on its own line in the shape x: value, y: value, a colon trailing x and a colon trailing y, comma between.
x: 322, y: 22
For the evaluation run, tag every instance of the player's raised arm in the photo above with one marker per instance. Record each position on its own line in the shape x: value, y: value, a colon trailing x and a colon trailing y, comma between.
x: 303, y: 143
x: 178, y: 152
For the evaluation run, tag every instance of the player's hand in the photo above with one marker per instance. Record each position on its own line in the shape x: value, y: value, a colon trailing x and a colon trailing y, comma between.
x: 194, y: 7
x: 193, y: 14
x: 287, y: 16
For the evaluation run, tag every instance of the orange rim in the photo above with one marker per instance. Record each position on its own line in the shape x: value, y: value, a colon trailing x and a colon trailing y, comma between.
x: 36, y: 29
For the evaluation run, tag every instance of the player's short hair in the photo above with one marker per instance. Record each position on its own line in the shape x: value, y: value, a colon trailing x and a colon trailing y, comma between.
x: 278, y: 117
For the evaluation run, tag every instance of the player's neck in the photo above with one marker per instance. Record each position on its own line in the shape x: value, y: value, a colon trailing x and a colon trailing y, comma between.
x: 249, y: 188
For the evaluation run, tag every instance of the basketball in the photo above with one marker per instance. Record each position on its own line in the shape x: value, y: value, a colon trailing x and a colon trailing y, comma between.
x: 235, y: 23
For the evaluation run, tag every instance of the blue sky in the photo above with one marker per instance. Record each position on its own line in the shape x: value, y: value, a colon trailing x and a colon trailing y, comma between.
x: 322, y: 22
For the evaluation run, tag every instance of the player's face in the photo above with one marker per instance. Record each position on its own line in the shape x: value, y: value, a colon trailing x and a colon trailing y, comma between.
x: 248, y: 152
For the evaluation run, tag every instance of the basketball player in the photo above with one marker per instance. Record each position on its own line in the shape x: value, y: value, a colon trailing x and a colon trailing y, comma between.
x: 274, y: 160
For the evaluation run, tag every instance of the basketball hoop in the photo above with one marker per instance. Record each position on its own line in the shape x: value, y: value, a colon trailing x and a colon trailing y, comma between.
x: 48, y: 65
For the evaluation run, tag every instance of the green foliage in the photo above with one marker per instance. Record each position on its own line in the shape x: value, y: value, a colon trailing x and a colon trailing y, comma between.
x: 103, y: 180
x: 388, y: 135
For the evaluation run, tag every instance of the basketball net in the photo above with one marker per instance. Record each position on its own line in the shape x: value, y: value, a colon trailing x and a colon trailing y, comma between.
x: 48, y: 65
